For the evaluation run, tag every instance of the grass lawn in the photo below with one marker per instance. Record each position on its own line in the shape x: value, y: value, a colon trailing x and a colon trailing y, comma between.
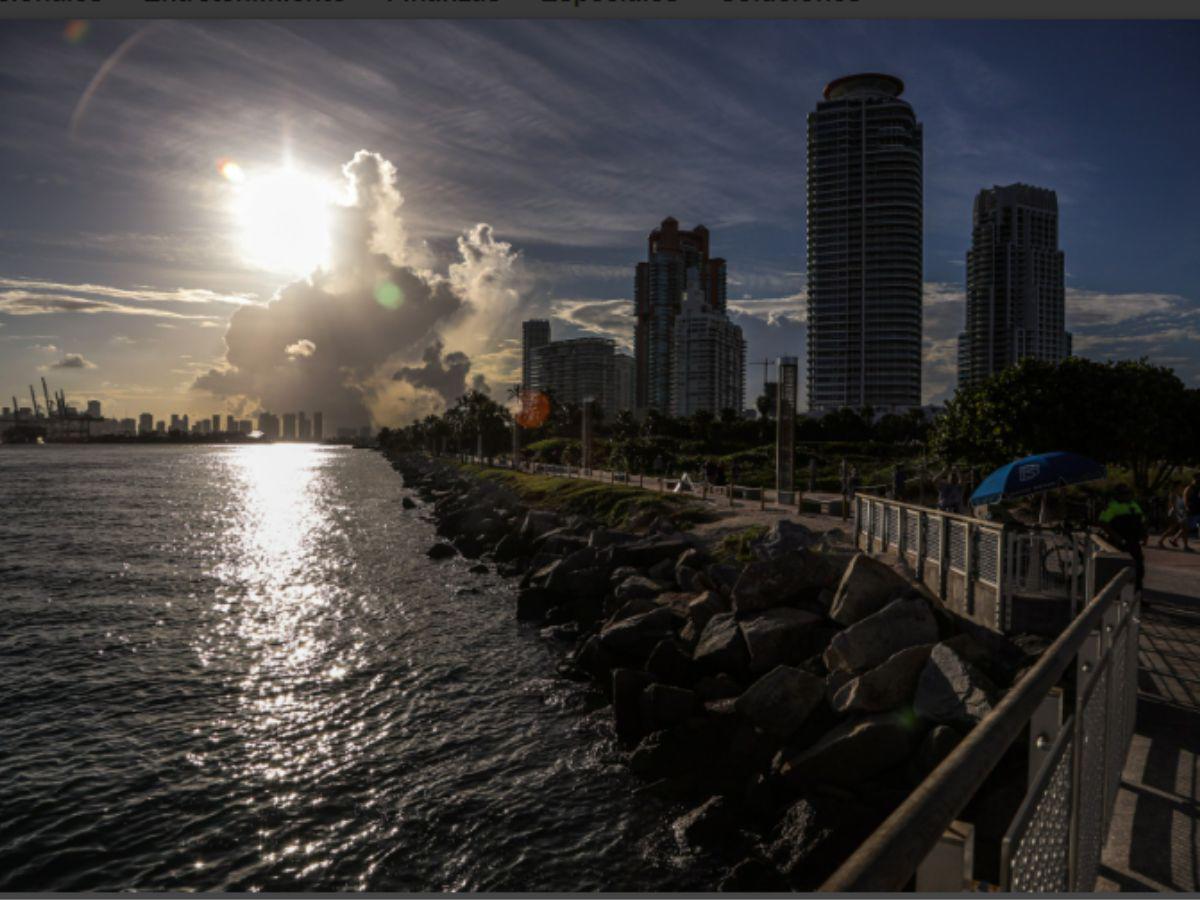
x: 616, y: 505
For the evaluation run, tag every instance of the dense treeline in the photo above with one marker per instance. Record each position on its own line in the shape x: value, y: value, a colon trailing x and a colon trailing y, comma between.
x: 1132, y: 415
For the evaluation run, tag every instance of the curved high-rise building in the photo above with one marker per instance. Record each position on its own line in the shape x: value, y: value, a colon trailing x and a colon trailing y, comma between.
x: 864, y: 247
x: 1015, y: 283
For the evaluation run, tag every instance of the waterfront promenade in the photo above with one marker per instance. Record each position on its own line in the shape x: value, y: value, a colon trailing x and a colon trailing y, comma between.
x: 1154, y: 840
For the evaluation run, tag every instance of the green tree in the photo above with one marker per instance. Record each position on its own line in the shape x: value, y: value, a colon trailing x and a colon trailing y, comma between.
x: 1131, y: 414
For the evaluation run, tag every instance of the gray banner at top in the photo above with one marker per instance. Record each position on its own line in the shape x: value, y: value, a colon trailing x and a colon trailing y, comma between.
x: 604, y: 9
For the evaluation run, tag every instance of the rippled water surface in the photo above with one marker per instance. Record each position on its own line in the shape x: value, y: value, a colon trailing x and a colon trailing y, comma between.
x: 234, y: 668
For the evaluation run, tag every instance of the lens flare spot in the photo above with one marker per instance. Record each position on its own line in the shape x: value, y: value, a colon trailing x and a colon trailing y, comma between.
x: 231, y: 171
x: 388, y: 295
x: 534, y: 411
x: 76, y: 30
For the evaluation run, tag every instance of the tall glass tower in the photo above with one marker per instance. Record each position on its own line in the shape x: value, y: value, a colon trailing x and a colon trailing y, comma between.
x: 864, y: 247
x: 1015, y: 283
x: 660, y: 285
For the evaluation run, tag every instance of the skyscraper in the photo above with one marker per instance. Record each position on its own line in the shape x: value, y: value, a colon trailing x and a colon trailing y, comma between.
x: 864, y: 247
x: 146, y: 423
x: 535, y: 333
x: 93, y: 409
x: 303, y: 427
x: 230, y: 425
x: 268, y: 424
x: 573, y: 371
x: 289, y: 426
x: 216, y: 423
x: 1015, y: 283
x: 625, y: 375
x: 659, y: 286
x: 318, y: 426
x: 708, y: 356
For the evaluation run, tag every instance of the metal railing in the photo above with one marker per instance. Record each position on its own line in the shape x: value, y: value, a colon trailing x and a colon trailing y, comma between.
x: 993, y: 574
x: 1054, y: 841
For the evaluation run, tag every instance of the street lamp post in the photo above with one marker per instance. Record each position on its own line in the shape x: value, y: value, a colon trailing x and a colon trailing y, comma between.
x: 586, y: 455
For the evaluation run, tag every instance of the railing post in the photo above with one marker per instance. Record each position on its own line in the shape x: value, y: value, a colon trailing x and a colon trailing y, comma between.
x: 948, y: 867
x: 943, y: 547
x: 919, y: 568
x: 969, y: 569
x: 1002, y: 581
x: 1044, y: 726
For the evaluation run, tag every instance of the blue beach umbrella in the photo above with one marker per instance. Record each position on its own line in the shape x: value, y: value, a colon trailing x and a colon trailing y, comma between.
x: 1040, y: 472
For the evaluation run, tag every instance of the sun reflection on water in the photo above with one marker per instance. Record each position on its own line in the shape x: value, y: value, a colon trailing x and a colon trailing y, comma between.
x: 276, y: 623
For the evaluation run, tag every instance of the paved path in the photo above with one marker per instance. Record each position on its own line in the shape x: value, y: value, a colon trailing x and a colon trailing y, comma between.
x: 1154, y: 840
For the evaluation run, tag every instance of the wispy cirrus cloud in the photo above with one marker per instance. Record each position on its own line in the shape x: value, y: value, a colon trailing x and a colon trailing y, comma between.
x: 30, y: 303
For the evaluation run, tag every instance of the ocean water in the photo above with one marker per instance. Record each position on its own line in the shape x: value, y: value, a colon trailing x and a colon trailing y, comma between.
x: 233, y: 668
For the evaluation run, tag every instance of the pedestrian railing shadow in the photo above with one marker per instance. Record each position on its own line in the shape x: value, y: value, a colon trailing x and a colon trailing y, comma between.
x: 1155, y: 841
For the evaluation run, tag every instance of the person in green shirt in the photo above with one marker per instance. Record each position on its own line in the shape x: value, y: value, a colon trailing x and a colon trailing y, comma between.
x: 1125, y: 525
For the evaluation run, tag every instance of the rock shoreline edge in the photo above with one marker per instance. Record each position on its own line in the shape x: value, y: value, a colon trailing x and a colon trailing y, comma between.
x: 794, y: 701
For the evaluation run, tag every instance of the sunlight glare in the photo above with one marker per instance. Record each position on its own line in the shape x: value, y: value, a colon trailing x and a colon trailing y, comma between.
x: 284, y: 219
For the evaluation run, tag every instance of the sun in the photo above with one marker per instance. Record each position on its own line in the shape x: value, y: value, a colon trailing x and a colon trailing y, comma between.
x: 283, y: 218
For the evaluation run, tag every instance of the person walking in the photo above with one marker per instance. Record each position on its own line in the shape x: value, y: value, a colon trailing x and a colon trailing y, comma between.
x: 1191, y: 503
x: 899, y: 477
x: 950, y: 493
x: 1177, y: 527
x: 1125, y: 525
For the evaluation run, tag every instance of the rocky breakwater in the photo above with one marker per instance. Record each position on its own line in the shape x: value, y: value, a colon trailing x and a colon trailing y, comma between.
x: 792, y: 702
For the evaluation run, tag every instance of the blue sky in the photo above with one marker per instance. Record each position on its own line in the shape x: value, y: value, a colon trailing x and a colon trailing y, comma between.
x: 120, y: 242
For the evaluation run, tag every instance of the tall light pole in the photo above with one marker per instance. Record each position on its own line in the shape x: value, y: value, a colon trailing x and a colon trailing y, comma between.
x: 586, y: 455
x: 785, y: 428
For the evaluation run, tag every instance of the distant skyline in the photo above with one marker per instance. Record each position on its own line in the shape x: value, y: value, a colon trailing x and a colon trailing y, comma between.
x: 144, y: 205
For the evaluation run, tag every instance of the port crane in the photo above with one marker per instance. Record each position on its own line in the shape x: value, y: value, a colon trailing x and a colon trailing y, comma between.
x: 37, y: 413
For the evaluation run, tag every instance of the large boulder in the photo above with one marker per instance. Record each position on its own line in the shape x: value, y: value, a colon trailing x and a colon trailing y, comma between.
x: 933, y: 749
x: 507, y: 549
x: 533, y: 603
x: 665, y: 706
x: 708, y: 826
x: 812, y: 839
x: 637, y: 587
x: 777, y: 636
x: 627, y: 688
x: 951, y: 691
x: 537, y: 523
x: 867, y: 586
x: 645, y: 552
x: 703, y: 607
x: 786, y: 537
x: 721, y: 686
x: 592, y: 658
x: 669, y: 664
x: 723, y: 577
x: 721, y: 647
x: 637, y: 636
x: 781, y: 700
x: 890, y: 684
x: 854, y: 751
x: 441, y: 550
x: 578, y: 584
x: 783, y: 581
x: 866, y: 644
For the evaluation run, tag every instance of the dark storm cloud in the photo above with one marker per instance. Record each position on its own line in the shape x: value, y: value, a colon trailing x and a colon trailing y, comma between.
x: 447, y: 375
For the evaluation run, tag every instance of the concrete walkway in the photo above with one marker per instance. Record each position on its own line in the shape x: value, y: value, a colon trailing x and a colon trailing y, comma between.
x: 1154, y: 840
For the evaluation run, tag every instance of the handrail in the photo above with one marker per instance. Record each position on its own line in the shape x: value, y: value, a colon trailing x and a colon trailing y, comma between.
x: 925, y: 509
x: 887, y: 859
